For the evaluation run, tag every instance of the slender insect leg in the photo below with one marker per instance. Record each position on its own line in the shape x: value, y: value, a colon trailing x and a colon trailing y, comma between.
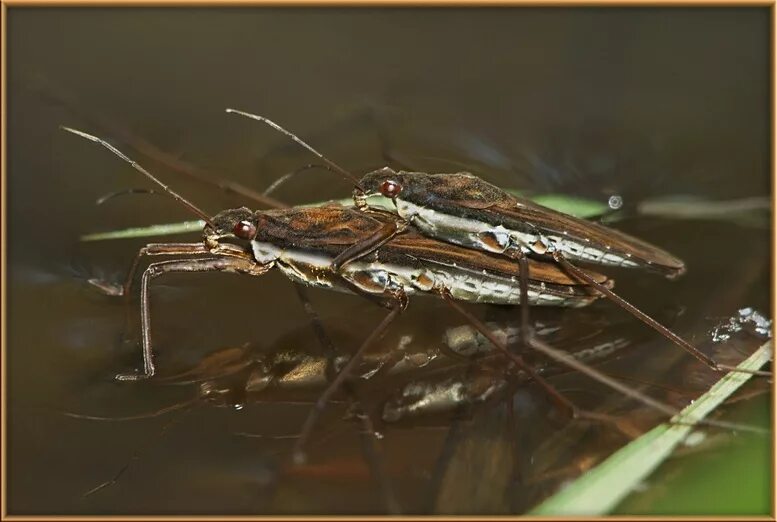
x: 642, y: 316
x: 189, y: 406
x: 453, y: 438
x: 321, y: 403
x: 371, y: 449
x: 220, y: 264
x: 315, y: 321
x: 326, y: 343
x: 370, y: 442
x: 383, y: 235
x: 160, y: 249
x: 523, y: 265
x: 180, y: 249
x: 569, y: 361
x: 558, y: 397
x: 151, y: 249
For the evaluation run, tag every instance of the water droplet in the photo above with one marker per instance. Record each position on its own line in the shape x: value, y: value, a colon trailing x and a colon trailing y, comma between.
x: 615, y: 202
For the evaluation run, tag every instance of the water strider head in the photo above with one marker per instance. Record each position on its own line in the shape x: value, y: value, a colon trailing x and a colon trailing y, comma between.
x: 384, y: 182
x: 433, y: 191
x: 241, y: 223
x: 322, y: 231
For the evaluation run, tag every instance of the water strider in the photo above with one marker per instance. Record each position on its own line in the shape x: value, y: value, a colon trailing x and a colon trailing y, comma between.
x: 462, y: 209
x: 304, y: 243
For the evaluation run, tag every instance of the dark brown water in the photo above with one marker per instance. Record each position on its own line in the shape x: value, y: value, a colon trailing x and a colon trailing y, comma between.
x: 591, y: 102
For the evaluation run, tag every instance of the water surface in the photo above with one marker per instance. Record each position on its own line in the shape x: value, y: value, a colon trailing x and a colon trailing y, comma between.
x: 638, y: 102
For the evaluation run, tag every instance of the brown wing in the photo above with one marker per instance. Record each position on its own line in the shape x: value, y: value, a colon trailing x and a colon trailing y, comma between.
x: 422, y: 248
x: 523, y: 211
x: 468, y: 196
x: 314, y: 227
x: 332, y: 229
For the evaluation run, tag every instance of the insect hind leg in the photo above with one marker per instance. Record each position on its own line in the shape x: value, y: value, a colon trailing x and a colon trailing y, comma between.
x: 642, y: 316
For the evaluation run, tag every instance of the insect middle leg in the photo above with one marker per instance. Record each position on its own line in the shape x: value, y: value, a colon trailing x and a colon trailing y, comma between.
x: 370, y: 441
x: 523, y: 280
x: 323, y: 399
x: 393, y: 298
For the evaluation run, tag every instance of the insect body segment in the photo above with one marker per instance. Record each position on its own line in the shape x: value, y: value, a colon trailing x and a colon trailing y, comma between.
x: 302, y: 242
x: 464, y: 209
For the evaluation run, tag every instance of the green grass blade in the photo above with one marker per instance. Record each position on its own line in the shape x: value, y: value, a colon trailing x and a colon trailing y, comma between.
x: 601, y: 489
x: 166, y: 229
x: 578, y: 207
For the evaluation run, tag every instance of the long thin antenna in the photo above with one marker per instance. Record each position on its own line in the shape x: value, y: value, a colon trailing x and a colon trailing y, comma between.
x: 277, y: 127
x: 126, y: 192
x: 286, y: 177
x: 202, y: 215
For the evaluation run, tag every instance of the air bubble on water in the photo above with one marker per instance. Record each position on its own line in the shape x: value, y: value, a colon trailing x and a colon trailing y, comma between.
x: 746, y: 318
x: 615, y: 202
x: 404, y: 342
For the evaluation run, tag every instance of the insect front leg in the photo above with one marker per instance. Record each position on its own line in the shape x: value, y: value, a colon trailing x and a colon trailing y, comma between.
x: 180, y: 249
x: 151, y: 249
x: 220, y: 264
x: 159, y: 249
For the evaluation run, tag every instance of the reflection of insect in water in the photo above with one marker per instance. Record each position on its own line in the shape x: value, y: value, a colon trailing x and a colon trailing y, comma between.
x: 404, y: 381
x: 306, y: 243
x: 415, y: 390
x: 463, y: 209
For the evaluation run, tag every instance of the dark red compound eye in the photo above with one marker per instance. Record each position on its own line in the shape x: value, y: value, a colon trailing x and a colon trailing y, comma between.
x: 244, y: 230
x: 390, y: 188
